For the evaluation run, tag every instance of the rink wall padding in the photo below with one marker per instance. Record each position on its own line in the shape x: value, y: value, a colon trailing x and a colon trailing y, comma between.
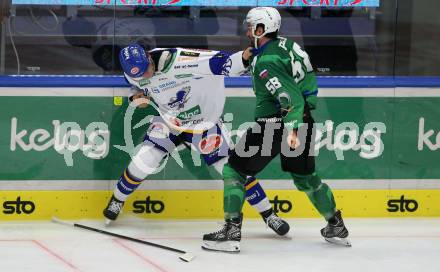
x: 379, y: 147
x: 207, y: 204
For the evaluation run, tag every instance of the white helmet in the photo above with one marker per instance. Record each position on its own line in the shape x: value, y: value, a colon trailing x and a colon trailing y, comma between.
x: 269, y: 17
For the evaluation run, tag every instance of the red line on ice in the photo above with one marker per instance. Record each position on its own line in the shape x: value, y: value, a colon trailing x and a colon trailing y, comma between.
x: 57, y: 256
x: 145, y: 259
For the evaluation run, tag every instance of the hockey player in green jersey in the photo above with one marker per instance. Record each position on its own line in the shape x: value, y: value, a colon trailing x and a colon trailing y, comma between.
x: 285, y: 88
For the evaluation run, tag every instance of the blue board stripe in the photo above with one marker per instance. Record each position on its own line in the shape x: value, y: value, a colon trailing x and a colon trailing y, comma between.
x: 230, y: 82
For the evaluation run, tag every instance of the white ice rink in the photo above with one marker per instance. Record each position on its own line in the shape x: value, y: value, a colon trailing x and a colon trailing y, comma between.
x: 378, y: 245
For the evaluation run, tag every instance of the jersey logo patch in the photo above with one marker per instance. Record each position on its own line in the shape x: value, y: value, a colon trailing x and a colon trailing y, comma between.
x: 210, y: 144
x: 134, y: 70
x: 189, y: 54
x: 155, y: 90
x: 180, y: 99
x: 144, y: 82
x: 158, y: 130
x: 226, y: 67
x: 220, y: 64
x: 176, y: 122
x: 186, y: 115
x: 264, y: 74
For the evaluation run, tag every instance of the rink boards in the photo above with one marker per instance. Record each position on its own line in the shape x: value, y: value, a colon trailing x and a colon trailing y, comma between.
x: 205, y: 204
x: 378, y: 149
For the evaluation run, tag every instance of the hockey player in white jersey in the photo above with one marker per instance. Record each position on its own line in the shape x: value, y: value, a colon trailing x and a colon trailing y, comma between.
x: 187, y: 88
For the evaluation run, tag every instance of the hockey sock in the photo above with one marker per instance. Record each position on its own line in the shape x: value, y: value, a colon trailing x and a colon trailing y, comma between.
x: 265, y: 214
x: 318, y: 192
x: 234, y: 192
x: 256, y: 196
x: 126, y: 185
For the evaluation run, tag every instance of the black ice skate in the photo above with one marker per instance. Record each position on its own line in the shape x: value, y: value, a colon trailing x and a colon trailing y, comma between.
x: 336, y: 232
x: 276, y: 223
x: 227, y: 239
x: 113, y: 209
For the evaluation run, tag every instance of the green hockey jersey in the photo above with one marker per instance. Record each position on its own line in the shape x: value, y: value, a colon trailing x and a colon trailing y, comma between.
x: 283, y: 81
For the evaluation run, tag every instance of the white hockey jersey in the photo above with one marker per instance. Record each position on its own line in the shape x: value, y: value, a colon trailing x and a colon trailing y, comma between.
x: 188, y: 88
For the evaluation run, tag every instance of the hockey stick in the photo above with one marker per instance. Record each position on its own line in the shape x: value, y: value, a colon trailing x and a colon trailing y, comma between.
x: 186, y: 257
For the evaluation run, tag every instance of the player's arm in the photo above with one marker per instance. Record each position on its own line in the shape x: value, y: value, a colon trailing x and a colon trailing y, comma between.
x: 309, y: 89
x: 138, y: 95
x: 224, y: 63
x: 278, y: 82
x: 246, y: 56
x: 304, y: 75
x: 240, y: 62
x: 140, y: 100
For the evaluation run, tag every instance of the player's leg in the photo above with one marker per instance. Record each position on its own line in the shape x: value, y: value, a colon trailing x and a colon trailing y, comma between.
x: 257, y: 198
x: 266, y: 137
x: 240, y: 165
x: 158, y: 142
x: 255, y: 194
x: 146, y: 161
x: 321, y: 196
x: 302, y: 170
x: 228, y: 238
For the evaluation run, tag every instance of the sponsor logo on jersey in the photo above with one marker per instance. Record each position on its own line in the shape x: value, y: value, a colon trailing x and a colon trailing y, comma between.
x: 183, y: 75
x: 264, y: 74
x: 171, y: 84
x: 285, y: 103
x: 182, y: 59
x: 210, y: 143
x: 192, y: 122
x: 186, y: 66
x: 186, y: 115
x: 167, y: 85
x: 189, y: 54
x: 155, y: 90
x: 180, y: 99
x: 144, y: 82
x: 158, y: 130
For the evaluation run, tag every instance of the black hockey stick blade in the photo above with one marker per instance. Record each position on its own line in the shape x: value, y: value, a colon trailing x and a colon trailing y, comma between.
x: 186, y: 257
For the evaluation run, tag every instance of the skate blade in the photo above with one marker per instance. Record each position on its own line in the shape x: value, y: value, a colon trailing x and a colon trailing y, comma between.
x: 339, y: 241
x: 228, y: 246
x: 108, y: 222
